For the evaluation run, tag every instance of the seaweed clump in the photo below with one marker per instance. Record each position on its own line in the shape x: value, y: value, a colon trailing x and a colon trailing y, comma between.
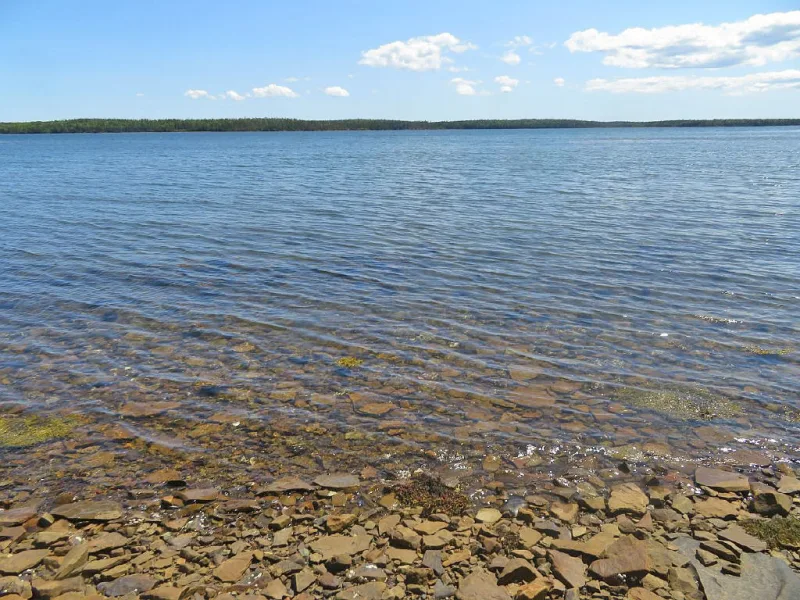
x: 349, y: 362
x: 682, y: 403
x: 24, y: 431
x: 753, y: 349
x: 432, y: 495
x: 777, y: 532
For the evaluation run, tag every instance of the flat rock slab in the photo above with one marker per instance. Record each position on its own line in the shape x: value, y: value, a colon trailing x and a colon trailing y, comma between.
x: 626, y: 556
x: 287, y: 484
x: 481, y: 585
x: 103, y: 510
x: 722, y: 481
x: 366, y: 591
x: 763, y: 577
x: 17, y: 516
x: 232, y: 569
x: 14, y: 564
x: 569, y: 570
x: 627, y: 498
x: 337, y: 481
x: 107, y: 541
x: 199, y: 495
x: 741, y: 538
x: 334, y: 545
x: 130, y: 584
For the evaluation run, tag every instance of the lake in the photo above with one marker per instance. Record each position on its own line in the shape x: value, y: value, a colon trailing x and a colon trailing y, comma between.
x: 405, y: 299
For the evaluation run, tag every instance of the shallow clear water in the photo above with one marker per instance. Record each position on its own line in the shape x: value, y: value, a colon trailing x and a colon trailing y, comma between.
x: 501, y: 287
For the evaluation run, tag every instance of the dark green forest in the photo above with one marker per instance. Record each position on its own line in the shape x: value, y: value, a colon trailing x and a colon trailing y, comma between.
x: 276, y: 124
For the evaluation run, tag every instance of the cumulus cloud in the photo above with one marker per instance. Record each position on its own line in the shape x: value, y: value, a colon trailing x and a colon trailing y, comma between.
x: 755, y: 41
x: 465, y: 87
x: 335, y: 90
x: 744, y: 84
x: 425, y: 53
x: 231, y: 95
x: 511, y: 58
x: 507, y: 84
x: 139, y: 95
x: 559, y: 81
x: 273, y: 90
x: 197, y: 94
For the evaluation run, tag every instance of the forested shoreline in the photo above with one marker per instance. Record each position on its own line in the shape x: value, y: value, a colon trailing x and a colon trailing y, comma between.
x: 278, y: 124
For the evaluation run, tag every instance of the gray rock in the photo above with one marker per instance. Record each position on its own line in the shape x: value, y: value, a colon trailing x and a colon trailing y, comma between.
x: 130, y: 584
x: 762, y: 576
x: 481, y: 585
x: 440, y: 590
x: 103, y: 510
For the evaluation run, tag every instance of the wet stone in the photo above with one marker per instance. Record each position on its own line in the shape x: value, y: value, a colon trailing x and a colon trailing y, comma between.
x: 337, y: 481
x: 723, y: 481
x: 101, y: 510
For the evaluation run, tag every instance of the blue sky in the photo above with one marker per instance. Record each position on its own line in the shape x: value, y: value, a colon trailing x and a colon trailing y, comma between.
x: 408, y: 60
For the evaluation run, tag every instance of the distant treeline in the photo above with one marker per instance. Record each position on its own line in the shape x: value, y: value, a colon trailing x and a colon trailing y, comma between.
x: 270, y: 124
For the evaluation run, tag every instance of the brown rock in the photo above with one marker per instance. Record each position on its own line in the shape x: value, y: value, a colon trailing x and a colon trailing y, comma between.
x: 338, y: 481
x: 722, y: 481
x: 627, y: 498
x: 366, y: 591
x: 14, y: 564
x: 334, y: 545
x: 567, y: 512
x: 488, y: 515
x: 626, y: 556
x: 129, y: 584
x: 200, y: 496
x: 716, y: 508
x: 741, y: 538
x: 53, y: 589
x: 163, y: 592
x: 74, y: 561
x: 570, y: 571
x: 787, y: 485
x: 769, y: 503
x: 640, y: 593
x: 101, y: 510
x: 535, y: 590
x: 480, y: 585
x: 17, y: 516
x: 517, y: 570
x: 107, y: 541
x: 232, y: 569
x: 287, y: 484
x: 15, y: 586
x: 683, y: 580
x: 338, y: 523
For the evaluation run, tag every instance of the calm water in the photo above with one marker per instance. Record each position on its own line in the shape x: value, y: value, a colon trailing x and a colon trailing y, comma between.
x: 502, y: 288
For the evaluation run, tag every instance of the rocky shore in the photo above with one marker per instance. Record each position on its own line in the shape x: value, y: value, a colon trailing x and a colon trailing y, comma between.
x: 718, y: 535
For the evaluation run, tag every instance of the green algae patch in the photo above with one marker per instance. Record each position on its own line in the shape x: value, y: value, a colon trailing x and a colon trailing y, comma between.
x: 689, y: 403
x: 758, y: 350
x: 432, y: 495
x: 349, y: 362
x: 777, y: 532
x: 29, y: 430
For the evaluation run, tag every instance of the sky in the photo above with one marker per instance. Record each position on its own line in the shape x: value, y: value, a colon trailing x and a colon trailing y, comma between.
x: 428, y: 60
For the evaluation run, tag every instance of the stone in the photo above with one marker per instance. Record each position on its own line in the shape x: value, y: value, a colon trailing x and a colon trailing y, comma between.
x: 163, y: 592
x: 129, y: 584
x: 200, y: 496
x: 429, y: 527
x: 366, y: 591
x: 303, y: 580
x: 535, y: 590
x: 720, y: 550
x: 569, y: 570
x: 481, y: 585
x: 682, y: 504
x: 721, y: 481
x: 275, y: 590
x: 402, y: 555
x: 626, y: 556
x: 388, y: 523
x: 98, y: 566
x: 338, y: 523
x: 627, y: 498
x: 640, y: 593
x: 682, y: 580
x: 529, y: 537
x: 287, y: 484
x: 107, y: 541
x: 433, y: 560
x: 517, y: 570
x: 716, y: 508
x: 442, y: 590
x: 337, y: 481
x: 14, y: 564
x: 15, y: 586
x: 100, y: 510
x: 741, y: 538
x: 53, y: 589
x: 786, y: 485
x: 761, y: 577
x: 334, y: 545
x: 489, y: 515
x: 567, y: 512
x: 17, y: 516
x: 232, y: 569
x: 769, y: 503
x: 74, y: 561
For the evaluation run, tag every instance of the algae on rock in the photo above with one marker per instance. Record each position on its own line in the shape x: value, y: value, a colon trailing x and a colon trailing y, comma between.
x: 687, y: 403
x: 18, y: 431
x: 777, y: 532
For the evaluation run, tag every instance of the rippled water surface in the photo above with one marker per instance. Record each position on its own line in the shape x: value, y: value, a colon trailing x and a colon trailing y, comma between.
x: 440, y: 294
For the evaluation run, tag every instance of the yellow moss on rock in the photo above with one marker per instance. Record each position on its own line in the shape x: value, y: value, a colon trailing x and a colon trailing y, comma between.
x: 20, y: 431
x: 349, y: 362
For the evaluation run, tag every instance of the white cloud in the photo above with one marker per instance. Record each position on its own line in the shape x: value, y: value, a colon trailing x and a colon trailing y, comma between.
x: 335, y: 90
x: 425, y: 53
x: 507, y: 84
x: 292, y: 79
x: 464, y: 87
x: 511, y: 58
x: 559, y: 81
x: 519, y: 41
x: 458, y: 69
x: 744, y: 84
x: 272, y: 90
x: 231, y: 95
x: 758, y: 40
x: 197, y: 94
x: 139, y: 95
